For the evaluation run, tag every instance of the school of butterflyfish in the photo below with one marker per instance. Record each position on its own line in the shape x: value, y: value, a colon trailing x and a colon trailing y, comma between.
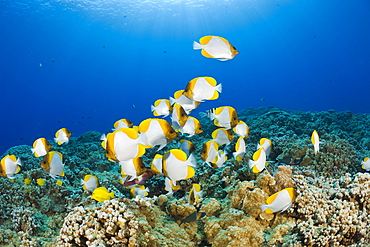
x: 127, y: 143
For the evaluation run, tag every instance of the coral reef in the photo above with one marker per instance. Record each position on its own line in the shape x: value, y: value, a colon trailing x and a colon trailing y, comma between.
x: 331, y: 209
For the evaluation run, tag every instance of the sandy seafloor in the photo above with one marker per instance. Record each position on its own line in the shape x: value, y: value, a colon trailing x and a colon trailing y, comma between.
x: 331, y: 209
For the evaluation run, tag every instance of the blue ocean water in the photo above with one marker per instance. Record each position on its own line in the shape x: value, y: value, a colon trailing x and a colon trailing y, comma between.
x: 85, y: 64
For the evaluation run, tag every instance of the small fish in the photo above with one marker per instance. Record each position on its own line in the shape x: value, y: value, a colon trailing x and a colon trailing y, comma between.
x: 195, y: 194
x: 187, y: 104
x: 193, y: 217
x: 216, y: 47
x: 139, y: 191
x: 161, y: 107
x: 140, y: 180
x: 27, y: 181
x: 133, y: 167
x: 222, y: 136
x: 202, y: 88
x: 90, y: 183
x: 123, y: 144
x: 59, y: 182
x: 177, y: 166
x: 40, y: 181
x: 241, y: 129
x: 288, y: 159
x: 224, y: 116
x: 155, y: 131
x: 186, y: 146
x: 156, y: 165
x: 192, y: 127
x: 280, y: 201
x: 40, y: 147
x: 316, y: 141
x: 62, y: 136
x: 53, y: 164
x: 266, y: 144
x: 40, y: 65
x: 170, y: 187
x: 220, y: 159
x: 122, y: 123
x: 258, y: 164
x: 209, y: 153
x: 9, y: 166
x: 101, y: 194
x: 239, y: 149
x: 178, y: 117
x: 366, y: 164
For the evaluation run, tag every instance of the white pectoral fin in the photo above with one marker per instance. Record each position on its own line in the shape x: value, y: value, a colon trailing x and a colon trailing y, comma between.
x: 197, y: 46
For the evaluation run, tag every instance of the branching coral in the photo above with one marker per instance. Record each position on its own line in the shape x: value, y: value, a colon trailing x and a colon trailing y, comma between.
x: 333, y: 212
x: 121, y: 222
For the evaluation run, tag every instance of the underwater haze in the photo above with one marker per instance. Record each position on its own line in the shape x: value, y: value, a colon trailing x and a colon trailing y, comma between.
x: 83, y: 65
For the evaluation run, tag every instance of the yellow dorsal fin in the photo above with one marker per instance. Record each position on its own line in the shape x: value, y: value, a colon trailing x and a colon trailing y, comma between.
x: 157, y: 102
x: 272, y: 198
x: 257, y: 154
x: 212, y: 81
x: 131, y: 133
x: 313, y: 136
x: 237, y: 146
x: 205, y: 40
x: 215, y: 133
x: 104, y: 144
x: 179, y: 154
x: 366, y: 159
x: 196, y: 187
x: 262, y: 140
x: 144, y: 125
x: 177, y: 94
x: 292, y: 193
x: 219, y: 110
x: 223, y: 39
